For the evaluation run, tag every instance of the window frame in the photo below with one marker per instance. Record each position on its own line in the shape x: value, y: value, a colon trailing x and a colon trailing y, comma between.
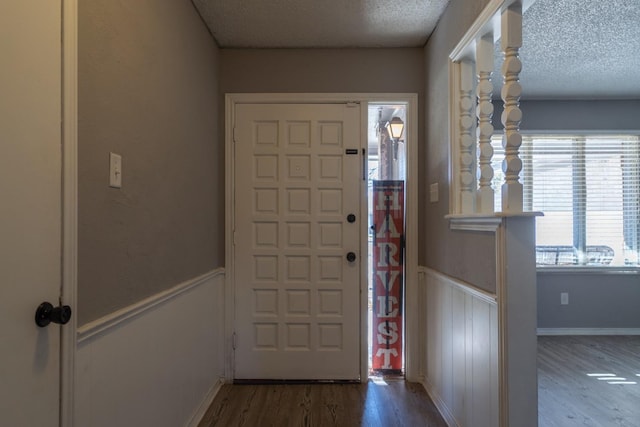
x: 581, y: 239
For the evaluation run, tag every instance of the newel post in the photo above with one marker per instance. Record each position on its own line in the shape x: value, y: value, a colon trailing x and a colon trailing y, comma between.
x: 511, y: 41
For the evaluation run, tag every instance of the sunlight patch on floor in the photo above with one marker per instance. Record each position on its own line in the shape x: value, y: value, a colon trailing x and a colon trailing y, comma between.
x: 378, y: 381
x: 612, y: 378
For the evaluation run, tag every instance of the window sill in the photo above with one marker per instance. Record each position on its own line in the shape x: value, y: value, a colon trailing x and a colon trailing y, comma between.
x: 588, y: 270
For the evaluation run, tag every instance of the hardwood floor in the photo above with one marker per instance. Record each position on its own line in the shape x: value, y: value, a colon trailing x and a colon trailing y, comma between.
x: 569, y: 396
x: 398, y: 403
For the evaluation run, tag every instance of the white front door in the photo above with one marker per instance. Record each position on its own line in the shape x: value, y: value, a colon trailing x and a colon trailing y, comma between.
x: 298, y: 183
x: 30, y: 210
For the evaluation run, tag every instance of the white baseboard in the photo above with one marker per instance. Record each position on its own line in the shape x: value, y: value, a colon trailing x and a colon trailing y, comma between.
x: 206, y: 402
x: 440, y: 404
x: 588, y: 331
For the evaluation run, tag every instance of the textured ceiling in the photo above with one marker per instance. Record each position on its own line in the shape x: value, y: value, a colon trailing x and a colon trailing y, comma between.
x: 320, y: 23
x: 580, y: 49
x: 572, y: 49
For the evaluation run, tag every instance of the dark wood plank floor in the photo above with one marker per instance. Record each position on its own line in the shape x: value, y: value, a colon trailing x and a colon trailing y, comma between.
x: 569, y: 396
x: 398, y: 403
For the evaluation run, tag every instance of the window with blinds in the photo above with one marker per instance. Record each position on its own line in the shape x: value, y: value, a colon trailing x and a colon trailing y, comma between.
x: 588, y: 187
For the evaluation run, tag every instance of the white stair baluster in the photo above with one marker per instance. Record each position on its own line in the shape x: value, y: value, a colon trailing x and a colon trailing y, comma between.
x: 511, y: 41
x: 467, y: 142
x: 484, y: 112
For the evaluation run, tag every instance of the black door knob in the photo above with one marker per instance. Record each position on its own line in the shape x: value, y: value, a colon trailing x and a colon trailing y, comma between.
x: 351, y: 218
x: 351, y: 256
x: 47, y: 313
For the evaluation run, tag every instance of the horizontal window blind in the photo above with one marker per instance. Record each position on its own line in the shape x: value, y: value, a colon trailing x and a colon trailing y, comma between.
x: 589, y: 190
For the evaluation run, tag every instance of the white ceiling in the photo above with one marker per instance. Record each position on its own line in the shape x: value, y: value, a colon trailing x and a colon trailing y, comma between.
x: 320, y: 23
x: 580, y: 49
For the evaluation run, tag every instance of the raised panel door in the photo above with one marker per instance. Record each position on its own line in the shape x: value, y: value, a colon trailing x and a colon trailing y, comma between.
x: 297, y: 177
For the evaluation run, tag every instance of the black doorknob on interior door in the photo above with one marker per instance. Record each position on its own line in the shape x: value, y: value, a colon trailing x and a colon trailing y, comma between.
x: 47, y: 313
x: 351, y: 218
x: 351, y: 256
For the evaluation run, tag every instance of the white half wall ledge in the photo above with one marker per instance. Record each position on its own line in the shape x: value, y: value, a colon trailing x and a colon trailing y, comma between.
x: 483, y: 222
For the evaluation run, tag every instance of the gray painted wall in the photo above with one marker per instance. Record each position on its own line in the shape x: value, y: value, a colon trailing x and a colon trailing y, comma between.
x: 148, y: 73
x: 466, y: 256
x: 595, y: 300
x: 594, y: 115
x: 445, y: 250
x: 327, y: 71
x: 322, y: 70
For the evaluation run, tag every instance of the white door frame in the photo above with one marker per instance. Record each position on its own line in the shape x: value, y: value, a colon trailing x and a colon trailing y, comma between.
x: 69, y: 206
x: 412, y: 353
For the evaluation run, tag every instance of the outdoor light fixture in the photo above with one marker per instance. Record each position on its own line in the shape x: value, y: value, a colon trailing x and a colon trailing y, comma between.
x: 395, y: 128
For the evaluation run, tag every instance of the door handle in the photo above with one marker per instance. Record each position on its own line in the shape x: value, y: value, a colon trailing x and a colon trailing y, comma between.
x: 47, y: 313
x: 351, y: 218
x: 351, y: 256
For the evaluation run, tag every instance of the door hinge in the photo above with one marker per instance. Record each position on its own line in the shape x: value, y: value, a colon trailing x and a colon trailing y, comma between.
x: 234, y: 340
x: 234, y: 134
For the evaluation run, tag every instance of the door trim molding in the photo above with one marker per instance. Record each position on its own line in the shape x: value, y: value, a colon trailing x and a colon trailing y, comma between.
x: 412, y: 354
x: 69, y: 206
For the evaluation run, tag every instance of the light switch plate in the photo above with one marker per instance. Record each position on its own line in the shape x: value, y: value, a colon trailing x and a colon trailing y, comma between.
x: 433, y: 192
x: 115, y: 170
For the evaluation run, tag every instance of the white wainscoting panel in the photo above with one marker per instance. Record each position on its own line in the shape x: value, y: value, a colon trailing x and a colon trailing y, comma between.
x: 460, y: 357
x: 157, y: 363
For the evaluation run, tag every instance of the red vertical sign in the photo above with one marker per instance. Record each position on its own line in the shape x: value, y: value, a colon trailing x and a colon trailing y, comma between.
x: 388, y: 267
